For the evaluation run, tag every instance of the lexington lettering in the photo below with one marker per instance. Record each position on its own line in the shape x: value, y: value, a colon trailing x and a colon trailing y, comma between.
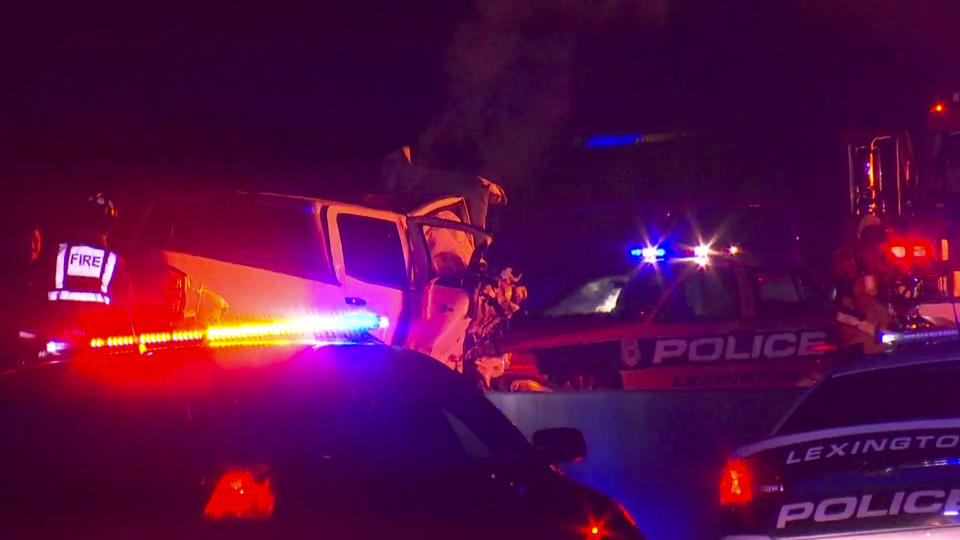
x: 712, y: 349
x: 927, y: 501
x: 873, y: 445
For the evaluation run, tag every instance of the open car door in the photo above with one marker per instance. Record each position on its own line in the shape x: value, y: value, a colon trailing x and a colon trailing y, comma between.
x: 444, y: 257
x: 370, y: 257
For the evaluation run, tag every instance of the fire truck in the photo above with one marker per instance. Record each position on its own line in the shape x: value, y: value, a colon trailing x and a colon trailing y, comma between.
x: 910, y: 179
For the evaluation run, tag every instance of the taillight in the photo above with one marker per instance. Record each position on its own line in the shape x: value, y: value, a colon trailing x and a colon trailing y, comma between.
x: 175, y: 293
x: 912, y: 250
x: 736, y: 485
x: 241, y: 494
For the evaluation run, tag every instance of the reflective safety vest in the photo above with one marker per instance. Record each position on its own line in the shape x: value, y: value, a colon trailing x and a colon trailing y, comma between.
x: 83, y: 274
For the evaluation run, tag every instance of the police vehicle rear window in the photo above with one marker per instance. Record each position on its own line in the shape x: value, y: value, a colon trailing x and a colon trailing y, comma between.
x: 278, y: 235
x: 916, y: 392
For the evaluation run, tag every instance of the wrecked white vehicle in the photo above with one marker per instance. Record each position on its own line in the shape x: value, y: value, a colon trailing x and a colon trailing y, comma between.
x: 257, y: 256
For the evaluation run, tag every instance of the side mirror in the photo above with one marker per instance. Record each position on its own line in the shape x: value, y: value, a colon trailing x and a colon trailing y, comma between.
x: 560, y: 445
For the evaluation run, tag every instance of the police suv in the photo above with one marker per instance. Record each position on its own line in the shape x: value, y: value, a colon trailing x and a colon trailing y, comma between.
x: 871, y: 452
x: 705, y: 321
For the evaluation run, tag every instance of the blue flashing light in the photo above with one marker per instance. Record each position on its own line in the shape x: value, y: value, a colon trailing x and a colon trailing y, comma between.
x: 608, y: 141
x: 649, y: 254
x: 56, y: 347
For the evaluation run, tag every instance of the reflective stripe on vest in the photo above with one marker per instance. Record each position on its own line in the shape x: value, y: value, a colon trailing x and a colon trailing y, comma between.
x: 61, y: 262
x: 108, y: 272
x: 78, y: 296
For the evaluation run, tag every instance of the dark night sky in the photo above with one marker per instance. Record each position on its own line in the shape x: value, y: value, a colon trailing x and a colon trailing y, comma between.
x: 299, y: 95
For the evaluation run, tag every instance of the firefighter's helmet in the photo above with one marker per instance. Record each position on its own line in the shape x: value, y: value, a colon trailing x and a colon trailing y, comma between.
x: 871, y: 229
x: 99, y: 211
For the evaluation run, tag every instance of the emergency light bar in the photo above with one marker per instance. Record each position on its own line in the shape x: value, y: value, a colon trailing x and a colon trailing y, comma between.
x: 699, y: 254
x: 920, y: 336
x: 649, y: 254
x: 298, y: 330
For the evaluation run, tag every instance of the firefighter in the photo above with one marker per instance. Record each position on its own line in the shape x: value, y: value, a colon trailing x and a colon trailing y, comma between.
x: 22, y: 244
x: 859, y: 270
x: 90, y: 290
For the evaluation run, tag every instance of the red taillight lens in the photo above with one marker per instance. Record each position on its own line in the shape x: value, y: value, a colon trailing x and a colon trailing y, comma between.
x: 736, y: 486
x: 241, y: 494
x: 175, y: 293
x: 898, y: 251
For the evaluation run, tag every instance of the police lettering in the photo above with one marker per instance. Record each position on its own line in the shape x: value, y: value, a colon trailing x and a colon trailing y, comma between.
x: 872, y: 445
x: 711, y: 349
x: 928, y: 501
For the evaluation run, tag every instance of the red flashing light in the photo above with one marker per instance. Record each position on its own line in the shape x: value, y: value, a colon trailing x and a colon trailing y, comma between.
x: 822, y: 348
x: 736, y: 484
x: 912, y: 250
x: 939, y: 108
x: 241, y: 495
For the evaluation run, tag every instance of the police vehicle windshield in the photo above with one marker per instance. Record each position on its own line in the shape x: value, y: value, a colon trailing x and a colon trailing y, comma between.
x: 917, y: 392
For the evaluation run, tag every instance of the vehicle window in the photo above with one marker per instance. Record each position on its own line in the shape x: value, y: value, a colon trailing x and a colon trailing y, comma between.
x: 782, y: 294
x: 450, y: 249
x: 243, y: 230
x: 642, y: 293
x: 887, y: 395
x: 372, y: 250
x: 708, y: 294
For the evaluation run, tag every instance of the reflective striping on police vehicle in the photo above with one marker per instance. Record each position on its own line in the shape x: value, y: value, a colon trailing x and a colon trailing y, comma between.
x: 868, y: 451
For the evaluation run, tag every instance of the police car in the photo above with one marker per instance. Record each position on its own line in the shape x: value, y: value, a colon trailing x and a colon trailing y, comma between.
x: 292, y: 429
x: 871, y: 452
x: 707, y: 319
